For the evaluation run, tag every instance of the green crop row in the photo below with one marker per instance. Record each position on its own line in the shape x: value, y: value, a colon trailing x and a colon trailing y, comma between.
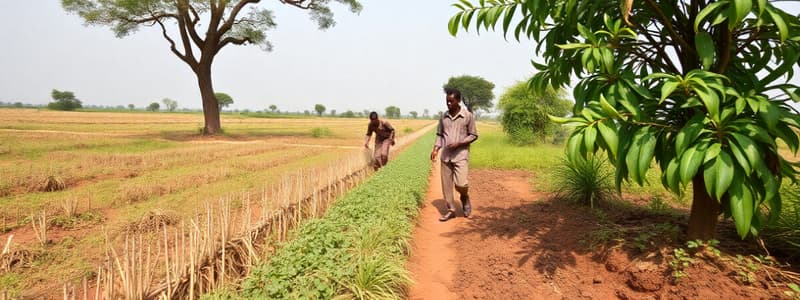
x: 359, y: 248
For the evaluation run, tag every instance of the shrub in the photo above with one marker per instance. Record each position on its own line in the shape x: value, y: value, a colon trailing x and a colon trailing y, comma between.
x: 584, y: 180
x: 321, y: 132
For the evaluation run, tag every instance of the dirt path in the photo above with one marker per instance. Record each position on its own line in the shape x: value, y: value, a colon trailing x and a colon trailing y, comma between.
x: 516, y: 245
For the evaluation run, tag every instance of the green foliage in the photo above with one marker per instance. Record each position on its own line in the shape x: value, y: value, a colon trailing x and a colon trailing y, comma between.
x: 320, y: 109
x: 64, y: 100
x: 318, y: 132
x: 413, y: 114
x: 658, y: 205
x: 358, y: 249
x: 476, y: 92
x: 525, y: 113
x: 392, y: 112
x: 584, y: 180
x: 679, y: 262
x: 223, y: 100
x: 154, y: 107
x: 713, y: 110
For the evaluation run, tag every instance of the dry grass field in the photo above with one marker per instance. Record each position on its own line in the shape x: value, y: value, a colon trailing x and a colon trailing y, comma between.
x: 71, y: 181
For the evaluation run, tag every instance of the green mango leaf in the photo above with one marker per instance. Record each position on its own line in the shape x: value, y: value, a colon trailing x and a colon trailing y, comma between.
x: 689, y: 133
x: 608, y: 132
x: 707, y: 11
x: 742, y: 7
x: 783, y: 29
x: 742, y: 207
x: 705, y: 48
x: 589, y: 138
x: 691, y: 160
x: 453, y: 24
x: 667, y: 89
x: 719, y: 175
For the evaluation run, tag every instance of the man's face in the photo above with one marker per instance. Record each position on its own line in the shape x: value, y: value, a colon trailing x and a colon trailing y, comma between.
x: 373, y: 121
x: 452, y: 102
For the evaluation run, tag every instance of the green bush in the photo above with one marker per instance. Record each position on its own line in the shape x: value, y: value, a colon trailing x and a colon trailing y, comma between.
x: 525, y: 113
x: 358, y: 249
x: 584, y: 180
x: 321, y: 132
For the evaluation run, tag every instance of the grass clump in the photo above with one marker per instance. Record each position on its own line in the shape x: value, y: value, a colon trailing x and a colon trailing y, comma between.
x: 784, y: 234
x: 319, y: 132
x: 358, y: 249
x: 584, y: 180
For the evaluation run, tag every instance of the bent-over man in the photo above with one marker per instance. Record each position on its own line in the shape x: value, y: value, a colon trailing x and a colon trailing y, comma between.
x: 384, y: 138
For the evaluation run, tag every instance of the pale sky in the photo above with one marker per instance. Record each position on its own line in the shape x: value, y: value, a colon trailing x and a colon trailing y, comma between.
x: 393, y: 53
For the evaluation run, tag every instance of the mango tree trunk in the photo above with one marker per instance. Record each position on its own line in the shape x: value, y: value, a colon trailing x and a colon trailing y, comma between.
x: 705, y: 212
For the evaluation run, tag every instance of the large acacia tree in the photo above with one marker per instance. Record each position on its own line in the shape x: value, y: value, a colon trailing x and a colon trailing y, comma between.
x: 700, y: 86
x: 196, y: 30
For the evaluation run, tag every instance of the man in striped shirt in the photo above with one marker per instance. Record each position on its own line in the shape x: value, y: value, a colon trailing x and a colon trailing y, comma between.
x: 455, y: 133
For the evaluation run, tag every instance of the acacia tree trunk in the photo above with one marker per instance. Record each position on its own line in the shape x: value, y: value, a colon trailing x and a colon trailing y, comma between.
x: 210, y: 104
x: 705, y: 212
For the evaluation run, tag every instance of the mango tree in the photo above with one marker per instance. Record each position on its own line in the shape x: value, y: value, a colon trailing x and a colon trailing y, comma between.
x: 702, y: 87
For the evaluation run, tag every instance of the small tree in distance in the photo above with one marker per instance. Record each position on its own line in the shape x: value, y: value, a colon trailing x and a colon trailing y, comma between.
x: 64, y: 100
x: 224, y: 100
x: 154, y: 107
x: 170, y: 104
x: 392, y: 112
x: 273, y: 108
x: 320, y: 109
x: 131, y: 106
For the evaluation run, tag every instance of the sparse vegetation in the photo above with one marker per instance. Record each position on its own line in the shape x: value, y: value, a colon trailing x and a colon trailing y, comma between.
x: 319, y: 132
x: 584, y: 180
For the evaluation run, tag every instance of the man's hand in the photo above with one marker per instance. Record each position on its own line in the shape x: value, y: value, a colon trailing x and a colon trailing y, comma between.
x: 434, y: 153
x: 366, y: 145
x: 454, y: 145
x: 392, y: 142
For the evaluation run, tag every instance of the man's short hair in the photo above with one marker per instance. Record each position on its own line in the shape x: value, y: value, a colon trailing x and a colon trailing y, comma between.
x: 373, y: 115
x: 453, y: 91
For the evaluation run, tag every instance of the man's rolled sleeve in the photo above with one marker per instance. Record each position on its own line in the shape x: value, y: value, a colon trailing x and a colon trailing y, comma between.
x: 439, y: 136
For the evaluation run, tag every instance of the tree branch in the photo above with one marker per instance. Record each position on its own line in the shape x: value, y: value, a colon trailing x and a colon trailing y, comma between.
x: 232, y: 16
x: 668, y: 25
x: 190, y: 61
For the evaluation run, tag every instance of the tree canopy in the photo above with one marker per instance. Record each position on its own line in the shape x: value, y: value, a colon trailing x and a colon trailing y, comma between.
x: 524, y: 112
x: 320, y: 109
x: 392, y: 111
x: 223, y: 99
x: 64, y: 100
x: 476, y: 92
x: 154, y: 107
x: 203, y: 28
x: 700, y: 86
x: 170, y: 104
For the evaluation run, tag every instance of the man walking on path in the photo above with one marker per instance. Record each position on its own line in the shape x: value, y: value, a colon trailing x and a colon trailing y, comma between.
x: 384, y: 138
x: 455, y: 132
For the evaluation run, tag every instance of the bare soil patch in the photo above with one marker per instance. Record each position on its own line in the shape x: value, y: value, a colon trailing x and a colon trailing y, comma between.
x: 520, y: 244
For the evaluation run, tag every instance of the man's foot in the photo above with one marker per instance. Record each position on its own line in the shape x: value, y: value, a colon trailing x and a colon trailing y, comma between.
x: 466, y: 205
x: 449, y: 215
